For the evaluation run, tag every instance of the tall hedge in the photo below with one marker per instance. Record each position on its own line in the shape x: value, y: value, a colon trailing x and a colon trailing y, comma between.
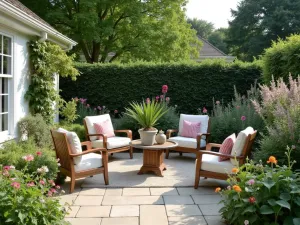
x: 191, y: 85
x: 281, y: 59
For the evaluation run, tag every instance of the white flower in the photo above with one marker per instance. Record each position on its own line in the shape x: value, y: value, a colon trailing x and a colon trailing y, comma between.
x: 62, y: 191
x: 42, y: 200
x: 58, y: 164
x: 43, y: 169
x: 12, y: 167
x: 246, y: 222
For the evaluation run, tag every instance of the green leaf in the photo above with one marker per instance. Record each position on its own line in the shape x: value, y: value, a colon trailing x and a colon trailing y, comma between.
x: 288, y: 221
x: 297, y: 201
x: 266, y: 210
x: 296, y: 221
x: 285, y: 196
x: 269, y: 183
x: 272, y: 202
x: 250, y: 209
x: 284, y: 204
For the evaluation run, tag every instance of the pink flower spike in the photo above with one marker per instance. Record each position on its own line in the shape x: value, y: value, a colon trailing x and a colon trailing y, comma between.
x: 57, y: 187
x: 157, y: 97
x: 167, y: 99
x: 49, y: 194
x: 16, y: 185
x: 251, y: 182
x: 39, y: 153
x: 148, y: 100
x: 28, y: 158
x: 42, y: 182
x: 52, y: 183
x: 53, y: 190
x: 116, y: 111
x: 243, y: 118
x: 204, y: 110
x: 88, y: 105
x: 30, y: 184
x: 99, y: 107
x: 164, y: 89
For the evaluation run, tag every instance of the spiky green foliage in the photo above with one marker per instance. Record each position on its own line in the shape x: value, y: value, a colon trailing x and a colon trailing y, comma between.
x: 147, y: 114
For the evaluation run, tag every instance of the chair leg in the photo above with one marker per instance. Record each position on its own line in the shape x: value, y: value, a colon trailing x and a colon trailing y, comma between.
x: 180, y: 153
x: 72, y: 185
x: 105, y: 165
x: 197, y: 174
x: 131, y: 152
x: 167, y: 153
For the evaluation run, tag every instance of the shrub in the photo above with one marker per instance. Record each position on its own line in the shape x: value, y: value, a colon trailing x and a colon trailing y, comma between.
x: 280, y: 109
x: 11, y: 154
x: 77, y: 128
x: 235, y: 116
x: 68, y: 110
x: 35, y: 128
x: 281, y: 58
x: 192, y: 84
x: 259, y: 194
x: 25, y: 199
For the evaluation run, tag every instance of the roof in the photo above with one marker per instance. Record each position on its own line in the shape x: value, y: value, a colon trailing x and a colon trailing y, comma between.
x: 209, y: 50
x: 17, y: 16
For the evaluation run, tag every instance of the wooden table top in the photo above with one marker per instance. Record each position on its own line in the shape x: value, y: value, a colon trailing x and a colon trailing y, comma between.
x: 166, y: 145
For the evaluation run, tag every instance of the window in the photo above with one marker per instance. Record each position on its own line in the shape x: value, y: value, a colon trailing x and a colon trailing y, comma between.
x: 5, y: 77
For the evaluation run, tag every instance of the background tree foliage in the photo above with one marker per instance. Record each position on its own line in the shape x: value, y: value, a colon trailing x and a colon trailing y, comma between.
x: 130, y: 29
x: 218, y: 39
x: 257, y: 22
x: 203, y: 27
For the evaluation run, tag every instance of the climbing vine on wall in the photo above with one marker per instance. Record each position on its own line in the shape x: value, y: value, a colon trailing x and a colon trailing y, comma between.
x: 47, y: 60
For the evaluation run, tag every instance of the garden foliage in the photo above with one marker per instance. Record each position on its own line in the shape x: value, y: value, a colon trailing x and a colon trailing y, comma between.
x: 280, y: 109
x: 262, y: 194
x: 282, y: 58
x: 192, y: 85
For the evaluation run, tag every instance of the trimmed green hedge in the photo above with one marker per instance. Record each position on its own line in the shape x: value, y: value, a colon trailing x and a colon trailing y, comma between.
x: 191, y: 85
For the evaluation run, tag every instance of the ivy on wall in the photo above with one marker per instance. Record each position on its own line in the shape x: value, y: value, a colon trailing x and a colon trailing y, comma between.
x: 47, y: 60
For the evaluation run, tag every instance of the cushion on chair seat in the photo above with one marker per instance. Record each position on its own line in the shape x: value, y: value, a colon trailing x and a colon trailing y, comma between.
x: 89, y: 161
x: 211, y: 163
x: 112, y: 142
x: 187, y: 142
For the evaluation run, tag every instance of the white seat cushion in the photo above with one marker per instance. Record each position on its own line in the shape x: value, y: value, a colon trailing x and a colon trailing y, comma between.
x: 240, y: 143
x: 112, y: 142
x: 89, y: 161
x: 188, y: 142
x: 203, y: 119
x: 211, y: 163
x: 90, y: 120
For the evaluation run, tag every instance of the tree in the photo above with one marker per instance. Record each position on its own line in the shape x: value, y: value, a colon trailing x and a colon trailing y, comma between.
x: 203, y: 28
x: 257, y: 22
x: 107, y: 30
x: 217, y: 38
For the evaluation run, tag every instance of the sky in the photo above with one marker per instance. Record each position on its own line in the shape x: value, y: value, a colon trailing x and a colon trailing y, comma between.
x: 215, y: 11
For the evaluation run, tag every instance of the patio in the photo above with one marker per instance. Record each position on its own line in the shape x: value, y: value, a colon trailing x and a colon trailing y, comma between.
x: 133, y: 199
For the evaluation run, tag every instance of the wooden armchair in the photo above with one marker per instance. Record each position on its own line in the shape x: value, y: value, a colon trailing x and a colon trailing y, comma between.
x: 111, y: 144
x: 191, y: 145
x: 88, y: 163
x: 207, y: 164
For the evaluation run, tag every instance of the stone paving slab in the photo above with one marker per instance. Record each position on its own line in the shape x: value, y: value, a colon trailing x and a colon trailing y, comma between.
x: 120, y: 221
x: 67, y: 199
x: 178, y: 200
x: 92, y: 191
x: 113, y: 191
x: 88, y: 200
x: 132, y: 200
x: 136, y: 191
x: 206, y: 199
x: 84, y: 221
x: 191, y: 220
x: 125, y: 211
x: 193, y: 191
x: 211, y: 209
x: 72, y: 211
x: 153, y: 215
x: 183, y: 210
x: 163, y: 191
x: 94, y: 211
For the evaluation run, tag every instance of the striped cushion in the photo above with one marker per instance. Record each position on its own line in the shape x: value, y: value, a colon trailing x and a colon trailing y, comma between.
x: 226, y: 147
x: 190, y: 129
x: 105, y: 127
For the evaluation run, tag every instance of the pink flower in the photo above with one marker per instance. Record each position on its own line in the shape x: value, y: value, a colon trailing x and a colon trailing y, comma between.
x: 251, y: 182
x: 95, y: 109
x: 42, y: 182
x: 99, y: 107
x: 52, y: 183
x: 5, y: 173
x: 167, y: 99
x: 88, y: 105
x: 164, y: 89
x: 204, y: 110
x: 28, y: 158
x: 76, y: 99
x: 157, y: 98
x: 238, y: 106
x: 217, y: 102
x: 30, y: 184
x: 148, y: 100
x: 252, y: 200
x: 161, y: 97
x: 82, y: 100
x: 6, y: 167
x: 57, y: 187
x: 39, y: 153
x: 49, y: 194
x: 243, y: 118
x: 116, y: 111
x: 16, y: 185
x: 53, y: 190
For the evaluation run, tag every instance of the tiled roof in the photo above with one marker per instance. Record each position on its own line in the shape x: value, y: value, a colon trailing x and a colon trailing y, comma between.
x: 209, y: 50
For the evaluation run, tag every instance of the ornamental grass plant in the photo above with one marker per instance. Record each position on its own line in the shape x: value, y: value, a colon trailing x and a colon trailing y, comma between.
x: 261, y: 194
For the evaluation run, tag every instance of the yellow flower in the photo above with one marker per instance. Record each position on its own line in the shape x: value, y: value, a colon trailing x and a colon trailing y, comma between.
x: 237, y: 188
x: 272, y: 159
x: 218, y: 189
x: 235, y: 170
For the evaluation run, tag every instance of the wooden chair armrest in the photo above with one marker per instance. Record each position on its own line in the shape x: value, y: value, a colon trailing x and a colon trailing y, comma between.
x: 128, y: 132
x: 199, y: 136
x: 202, y: 152
x: 89, y: 151
x: 212, y: 145
x: 169, y: 132
x: 87, y: 144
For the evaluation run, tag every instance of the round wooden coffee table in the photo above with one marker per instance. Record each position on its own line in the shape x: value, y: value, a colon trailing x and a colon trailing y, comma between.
x: 153, y: 160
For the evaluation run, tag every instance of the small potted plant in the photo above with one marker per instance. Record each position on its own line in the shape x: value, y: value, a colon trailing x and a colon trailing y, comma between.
x: 147, y: 115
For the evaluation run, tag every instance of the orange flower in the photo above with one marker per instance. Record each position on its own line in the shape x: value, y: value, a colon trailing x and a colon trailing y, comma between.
x: 235, y: 170
x: 218, y: 189
x: 272, y: 159
x: 237, y: 188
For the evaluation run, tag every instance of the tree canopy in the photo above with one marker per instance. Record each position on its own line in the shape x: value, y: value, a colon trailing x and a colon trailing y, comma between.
x: 217, y: 38
x: 257, y: 22
x: 125, y: 30
x: 203, y: 28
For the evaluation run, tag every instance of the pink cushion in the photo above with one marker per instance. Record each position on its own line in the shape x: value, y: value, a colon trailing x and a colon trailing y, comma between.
x: 226, y: 147
x: 104, y: 127
x: 190, y: 129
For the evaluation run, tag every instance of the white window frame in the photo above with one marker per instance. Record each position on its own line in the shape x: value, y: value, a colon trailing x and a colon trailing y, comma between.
x: 5, y: 135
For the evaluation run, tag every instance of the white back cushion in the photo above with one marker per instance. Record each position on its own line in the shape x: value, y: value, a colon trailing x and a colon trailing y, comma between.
x: 240, y: 143
x: 90, y: 120
x: 203, y: 119
x: 74, y: 143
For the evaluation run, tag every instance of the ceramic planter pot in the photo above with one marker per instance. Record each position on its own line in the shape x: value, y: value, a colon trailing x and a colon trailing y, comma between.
x: 161, y: 138
x: 147, y: 137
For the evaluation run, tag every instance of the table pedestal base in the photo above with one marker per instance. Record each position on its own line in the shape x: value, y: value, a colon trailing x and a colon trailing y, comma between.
x: 153, y: 161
